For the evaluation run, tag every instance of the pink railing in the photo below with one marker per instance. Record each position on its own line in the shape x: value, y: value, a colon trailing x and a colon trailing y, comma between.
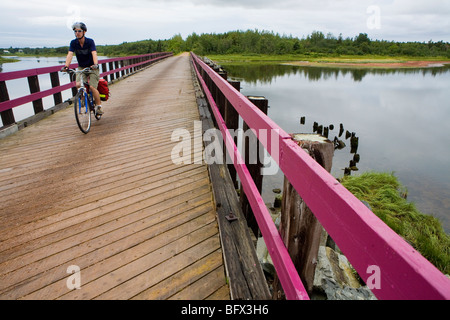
x: 367, y: 242
x: 117, y: 67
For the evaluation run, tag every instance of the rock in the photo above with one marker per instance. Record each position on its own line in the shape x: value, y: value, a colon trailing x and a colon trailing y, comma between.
x: 334, y: 278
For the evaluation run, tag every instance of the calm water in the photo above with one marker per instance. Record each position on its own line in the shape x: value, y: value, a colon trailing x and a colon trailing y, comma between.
x: 402, y: 119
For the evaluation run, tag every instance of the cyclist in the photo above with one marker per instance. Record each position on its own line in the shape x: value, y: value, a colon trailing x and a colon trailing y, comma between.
x: 86, y: 53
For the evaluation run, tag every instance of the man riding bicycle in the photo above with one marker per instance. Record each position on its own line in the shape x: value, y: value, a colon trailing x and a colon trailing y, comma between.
x: 86, y: 54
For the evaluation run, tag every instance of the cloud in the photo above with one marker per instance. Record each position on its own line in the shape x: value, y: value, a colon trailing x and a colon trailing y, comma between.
x: 115, y: 21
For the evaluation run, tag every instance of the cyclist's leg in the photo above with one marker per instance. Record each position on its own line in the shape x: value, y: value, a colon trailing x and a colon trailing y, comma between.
x: 78, y: 80
x: 81, y: 78
x: 93, y: 82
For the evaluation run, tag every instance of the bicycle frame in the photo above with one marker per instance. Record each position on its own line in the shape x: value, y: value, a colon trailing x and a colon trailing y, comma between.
x: 84, y: 102
x: 87, y: 102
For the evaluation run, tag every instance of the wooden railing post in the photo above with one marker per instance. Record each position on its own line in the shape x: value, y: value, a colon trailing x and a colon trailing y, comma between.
x: 33, y: 82
x: 111, y: 67
x: 253, y: 163
x: 104, y: 69
x: 299, y: 228
x: 7, y: 115
x: 116, y: 65
x: 54, y: 78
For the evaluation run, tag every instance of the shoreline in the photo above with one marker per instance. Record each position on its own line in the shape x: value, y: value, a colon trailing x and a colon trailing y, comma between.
x: 368, y: 65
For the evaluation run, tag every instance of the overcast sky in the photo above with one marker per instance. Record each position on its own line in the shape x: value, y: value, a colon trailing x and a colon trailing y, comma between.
x: 46, y: 23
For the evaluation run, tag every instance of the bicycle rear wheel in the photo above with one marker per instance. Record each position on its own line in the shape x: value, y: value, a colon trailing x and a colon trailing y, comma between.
x: 82, y: 112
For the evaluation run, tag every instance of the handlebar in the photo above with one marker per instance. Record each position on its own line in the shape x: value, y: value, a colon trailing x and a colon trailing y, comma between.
x: 85, y: 70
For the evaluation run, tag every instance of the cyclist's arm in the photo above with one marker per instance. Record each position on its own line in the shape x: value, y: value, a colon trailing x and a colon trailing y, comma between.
x: 95, y: 57
x: 69, y: 58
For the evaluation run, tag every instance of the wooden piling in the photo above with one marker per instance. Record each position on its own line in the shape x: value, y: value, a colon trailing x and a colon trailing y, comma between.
x: 299, y: 228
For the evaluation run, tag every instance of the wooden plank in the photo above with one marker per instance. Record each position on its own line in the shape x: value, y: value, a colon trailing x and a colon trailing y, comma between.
x: 111, y: 202
x: 166, y: 289
x: 114, y: 253
x: 205, y: 286
x: 73, y: 233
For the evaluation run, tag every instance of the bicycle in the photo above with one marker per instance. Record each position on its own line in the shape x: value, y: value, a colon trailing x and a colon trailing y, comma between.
x: 84, y: 102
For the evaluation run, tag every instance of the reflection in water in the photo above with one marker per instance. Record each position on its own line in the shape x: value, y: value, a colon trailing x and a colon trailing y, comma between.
x: 396, y: 120
x: 254, y: 73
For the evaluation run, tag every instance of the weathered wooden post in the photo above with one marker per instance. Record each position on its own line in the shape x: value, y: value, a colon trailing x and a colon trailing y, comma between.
x: 7, y: 115
x: 104, y: 69
x: 252, y: 153
x: 54, y: 78
x: 111, y: 67
x: 299, y: 228
x: 33, y: 83
x: 116, y: 65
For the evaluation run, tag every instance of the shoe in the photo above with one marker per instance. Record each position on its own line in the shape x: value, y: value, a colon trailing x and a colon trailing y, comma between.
x: 98, y: 110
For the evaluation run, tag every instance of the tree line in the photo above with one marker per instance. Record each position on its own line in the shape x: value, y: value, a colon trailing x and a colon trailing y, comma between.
x: 317, y: 43
x: 265, y: 42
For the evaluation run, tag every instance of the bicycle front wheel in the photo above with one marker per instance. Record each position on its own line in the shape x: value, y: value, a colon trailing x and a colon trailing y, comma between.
x: 82, y: 112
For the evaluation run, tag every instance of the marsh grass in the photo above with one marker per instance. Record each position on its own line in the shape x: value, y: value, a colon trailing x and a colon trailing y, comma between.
x: 8, y: 60
x: 386, y: 197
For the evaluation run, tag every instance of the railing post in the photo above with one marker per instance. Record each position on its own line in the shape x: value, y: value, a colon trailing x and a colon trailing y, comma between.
x: 33, y: 82
x: 116, y: 65
x: 54, y: 78
x: 121, y: 64
x: 299, y: 228
x: 111, y: 67
x: 253, y: 163
x: 104, y: 69
x: 7, y: 115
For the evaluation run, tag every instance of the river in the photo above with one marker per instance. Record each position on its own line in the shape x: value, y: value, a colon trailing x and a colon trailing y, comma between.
x: 401, y: 117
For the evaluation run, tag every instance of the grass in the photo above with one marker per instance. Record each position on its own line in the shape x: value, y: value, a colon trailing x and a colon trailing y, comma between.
x: 385, y: 195
x: 7, y: 60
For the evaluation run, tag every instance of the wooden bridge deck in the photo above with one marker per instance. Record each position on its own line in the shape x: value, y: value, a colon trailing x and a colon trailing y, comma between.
x: 111, y: 202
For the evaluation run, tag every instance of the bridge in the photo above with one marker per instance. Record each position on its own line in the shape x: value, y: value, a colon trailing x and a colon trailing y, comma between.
x: 111, y: 215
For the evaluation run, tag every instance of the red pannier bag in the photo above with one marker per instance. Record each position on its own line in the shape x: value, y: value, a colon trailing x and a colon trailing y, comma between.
x: 103, y: 89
